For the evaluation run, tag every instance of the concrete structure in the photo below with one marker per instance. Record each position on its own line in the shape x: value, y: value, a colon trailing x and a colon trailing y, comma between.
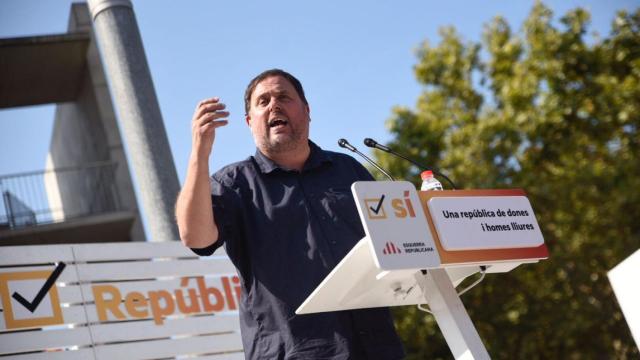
x: 117, y: 33
x: 88, y: 184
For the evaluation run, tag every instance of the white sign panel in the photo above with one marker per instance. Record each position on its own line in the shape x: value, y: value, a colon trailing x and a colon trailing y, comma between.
x: 138, y: 307
x: 485, y: 222
x: 394, y: 221
x: 624, y: 281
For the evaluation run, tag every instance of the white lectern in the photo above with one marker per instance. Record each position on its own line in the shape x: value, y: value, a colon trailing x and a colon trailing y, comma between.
x: 418, y: 247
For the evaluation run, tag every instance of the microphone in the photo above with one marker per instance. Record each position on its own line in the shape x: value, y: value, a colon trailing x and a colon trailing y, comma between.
x: 374, y: 144
x: 345, y: 144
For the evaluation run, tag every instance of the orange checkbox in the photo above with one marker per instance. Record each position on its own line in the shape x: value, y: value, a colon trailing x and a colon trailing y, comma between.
x: 375, y: 208
x: 10, y: 318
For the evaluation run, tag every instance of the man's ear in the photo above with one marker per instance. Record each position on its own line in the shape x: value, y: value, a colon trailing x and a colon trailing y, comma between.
x: 308, y: 111
x: 247, y: 118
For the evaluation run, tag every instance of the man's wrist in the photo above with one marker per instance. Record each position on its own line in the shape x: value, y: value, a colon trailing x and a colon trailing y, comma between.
x: 199, y: 161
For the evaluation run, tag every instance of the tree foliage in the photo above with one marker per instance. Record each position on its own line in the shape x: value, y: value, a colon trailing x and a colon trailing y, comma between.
x: 554, y: 113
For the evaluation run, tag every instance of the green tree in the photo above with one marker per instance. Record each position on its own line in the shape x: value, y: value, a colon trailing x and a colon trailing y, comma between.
x: 547, y: 111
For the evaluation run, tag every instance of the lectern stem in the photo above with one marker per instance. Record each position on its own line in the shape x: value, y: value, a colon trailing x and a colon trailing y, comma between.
x: 451, y: 316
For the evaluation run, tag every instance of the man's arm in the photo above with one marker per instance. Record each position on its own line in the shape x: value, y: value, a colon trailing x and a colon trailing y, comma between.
x: 194, y: 213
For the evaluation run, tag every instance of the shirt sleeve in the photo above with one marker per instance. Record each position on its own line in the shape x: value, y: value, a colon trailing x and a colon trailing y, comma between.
x: 224, y: 202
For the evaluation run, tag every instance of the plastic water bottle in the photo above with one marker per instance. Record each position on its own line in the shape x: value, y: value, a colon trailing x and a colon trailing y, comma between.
x: 429, y: 182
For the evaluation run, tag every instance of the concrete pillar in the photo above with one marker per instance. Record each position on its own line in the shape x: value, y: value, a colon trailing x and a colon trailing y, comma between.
x: 143, y: 130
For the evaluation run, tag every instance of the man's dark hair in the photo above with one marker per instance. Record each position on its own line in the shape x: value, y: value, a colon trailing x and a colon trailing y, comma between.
x: 269, y: 73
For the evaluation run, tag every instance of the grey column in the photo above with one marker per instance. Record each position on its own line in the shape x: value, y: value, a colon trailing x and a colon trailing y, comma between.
x: 143, y: 130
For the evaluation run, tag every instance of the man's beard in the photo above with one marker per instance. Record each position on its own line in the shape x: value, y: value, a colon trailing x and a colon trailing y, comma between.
x: 281, y: 144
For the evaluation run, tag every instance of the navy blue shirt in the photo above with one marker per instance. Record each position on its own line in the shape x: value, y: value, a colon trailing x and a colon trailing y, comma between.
x: 285, y: 230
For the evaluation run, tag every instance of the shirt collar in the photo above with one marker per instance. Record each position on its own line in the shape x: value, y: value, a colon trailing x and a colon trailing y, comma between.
x: 316, y: 158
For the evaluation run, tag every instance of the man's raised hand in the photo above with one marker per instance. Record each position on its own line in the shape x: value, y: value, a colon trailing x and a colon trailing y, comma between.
x: 194, y: 213
x: 208, y: 116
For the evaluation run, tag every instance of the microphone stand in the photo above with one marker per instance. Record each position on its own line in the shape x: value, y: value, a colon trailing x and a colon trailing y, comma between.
x: 345, y: 144
x: 374, y: 144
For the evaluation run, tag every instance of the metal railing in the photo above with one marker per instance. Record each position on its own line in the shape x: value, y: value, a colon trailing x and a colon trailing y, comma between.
x: 48, y: 196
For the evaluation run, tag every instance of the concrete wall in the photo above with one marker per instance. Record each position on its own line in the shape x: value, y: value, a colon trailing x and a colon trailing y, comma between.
x: 85, y: 131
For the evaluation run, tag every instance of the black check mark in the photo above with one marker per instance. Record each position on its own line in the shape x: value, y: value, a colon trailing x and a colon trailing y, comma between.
x: 32, y: 305
x: 377, y: 209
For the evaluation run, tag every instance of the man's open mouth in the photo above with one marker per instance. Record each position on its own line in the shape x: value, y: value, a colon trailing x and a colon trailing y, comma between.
x: 277, y: 122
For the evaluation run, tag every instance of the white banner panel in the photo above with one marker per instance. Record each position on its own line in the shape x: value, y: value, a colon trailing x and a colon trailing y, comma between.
x: 485, y: 222
x: 624, y: 281
x: 140, y: 300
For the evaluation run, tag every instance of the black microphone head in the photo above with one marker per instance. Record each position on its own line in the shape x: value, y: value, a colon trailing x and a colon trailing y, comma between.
x: 370, y: 142
x: 345, y: 144
x: 374, y: 144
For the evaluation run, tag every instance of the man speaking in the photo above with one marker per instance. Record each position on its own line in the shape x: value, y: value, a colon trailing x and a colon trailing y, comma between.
x: 286, y: 218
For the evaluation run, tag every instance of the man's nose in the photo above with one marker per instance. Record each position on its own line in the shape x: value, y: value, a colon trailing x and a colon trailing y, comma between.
x: 275, y: 105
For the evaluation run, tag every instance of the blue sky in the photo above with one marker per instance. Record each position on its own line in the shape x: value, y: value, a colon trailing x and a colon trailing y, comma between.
x: 355, y: 59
